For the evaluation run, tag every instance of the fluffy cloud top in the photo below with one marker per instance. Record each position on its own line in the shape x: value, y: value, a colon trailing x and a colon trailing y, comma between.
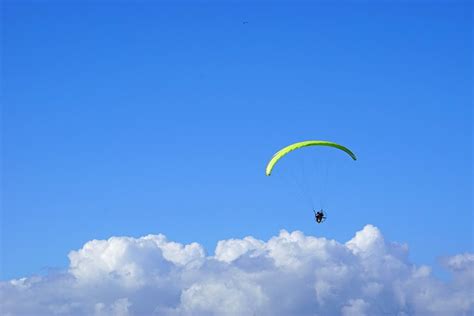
x: 290, y: 274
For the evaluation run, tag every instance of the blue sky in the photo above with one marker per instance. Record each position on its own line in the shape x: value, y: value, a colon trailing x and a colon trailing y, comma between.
x: 127, y: 119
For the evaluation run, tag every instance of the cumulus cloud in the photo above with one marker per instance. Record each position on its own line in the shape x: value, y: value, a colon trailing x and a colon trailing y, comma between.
x: 290, y: 274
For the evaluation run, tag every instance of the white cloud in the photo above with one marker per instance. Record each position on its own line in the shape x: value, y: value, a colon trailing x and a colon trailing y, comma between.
x: 290, y: 274
x: 357, y: 307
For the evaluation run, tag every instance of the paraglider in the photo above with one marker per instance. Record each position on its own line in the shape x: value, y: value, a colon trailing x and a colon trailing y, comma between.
x: 320, y: 215
x: 284, y: 151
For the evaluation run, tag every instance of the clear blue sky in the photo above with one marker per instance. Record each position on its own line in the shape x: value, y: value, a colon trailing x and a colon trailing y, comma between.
x: 132, y: 119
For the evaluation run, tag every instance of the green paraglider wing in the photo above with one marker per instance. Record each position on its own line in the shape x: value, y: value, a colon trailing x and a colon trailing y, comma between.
x: 282, y: 152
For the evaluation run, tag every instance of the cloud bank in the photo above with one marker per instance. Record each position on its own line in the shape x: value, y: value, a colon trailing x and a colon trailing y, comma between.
x: 290, y: 274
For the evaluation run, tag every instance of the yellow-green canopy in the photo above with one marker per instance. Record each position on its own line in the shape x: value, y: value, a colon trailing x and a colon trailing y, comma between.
x: 282, y: 152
